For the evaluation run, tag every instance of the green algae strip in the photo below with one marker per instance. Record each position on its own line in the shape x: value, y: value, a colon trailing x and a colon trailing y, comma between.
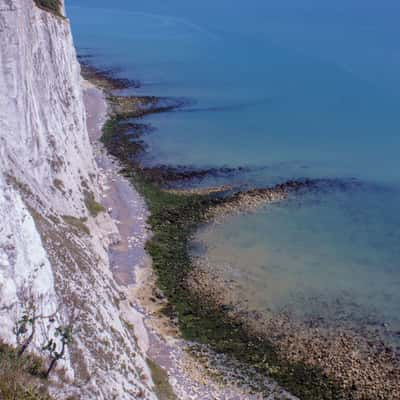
x: 163, y: 388
x: 173, y: 219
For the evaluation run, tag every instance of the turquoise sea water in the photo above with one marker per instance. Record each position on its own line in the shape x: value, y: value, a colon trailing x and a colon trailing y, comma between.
x: 295, y: 89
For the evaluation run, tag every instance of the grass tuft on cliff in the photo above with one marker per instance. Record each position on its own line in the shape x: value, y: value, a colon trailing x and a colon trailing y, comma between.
x: 21, y: 378
x: 163, y: 388
x: 92, y: 205
x: 53, y: 6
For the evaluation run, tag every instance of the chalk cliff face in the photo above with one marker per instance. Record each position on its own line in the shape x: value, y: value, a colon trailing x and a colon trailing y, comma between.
x: 53, y: 234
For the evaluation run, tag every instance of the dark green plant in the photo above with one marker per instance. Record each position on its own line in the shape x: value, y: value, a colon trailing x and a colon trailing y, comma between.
x: 64, y: 333
x: 92, y: 205
x: 25, y: 327
x: 53, y: 6
x: 24, y: 331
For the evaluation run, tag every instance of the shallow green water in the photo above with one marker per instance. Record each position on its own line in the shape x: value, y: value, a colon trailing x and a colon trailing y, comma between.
x: 318, y: 256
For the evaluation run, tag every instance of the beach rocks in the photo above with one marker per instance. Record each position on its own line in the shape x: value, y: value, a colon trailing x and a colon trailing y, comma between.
x: 362, y: 365
x: 341, y: 361
x: 105, y: 79
x: 252, y: 199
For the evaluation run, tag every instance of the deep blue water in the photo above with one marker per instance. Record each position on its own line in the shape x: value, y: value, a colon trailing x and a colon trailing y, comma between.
x: 295, y: 89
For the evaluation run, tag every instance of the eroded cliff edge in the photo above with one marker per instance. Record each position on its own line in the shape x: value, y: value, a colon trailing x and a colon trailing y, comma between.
x: 54, y: 235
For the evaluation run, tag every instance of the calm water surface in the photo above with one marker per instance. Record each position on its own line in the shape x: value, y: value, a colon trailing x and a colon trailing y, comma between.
x: 294, y: 89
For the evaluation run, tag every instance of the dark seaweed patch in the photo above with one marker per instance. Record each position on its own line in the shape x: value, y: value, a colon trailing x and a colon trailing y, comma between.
x: 106, y: 79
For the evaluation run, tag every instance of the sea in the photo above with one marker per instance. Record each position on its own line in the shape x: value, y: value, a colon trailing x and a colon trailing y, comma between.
x: 285, y: 89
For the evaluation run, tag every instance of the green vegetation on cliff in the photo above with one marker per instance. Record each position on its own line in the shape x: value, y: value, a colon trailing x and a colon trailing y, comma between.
x: 21, y: 377
x: 53, y: 6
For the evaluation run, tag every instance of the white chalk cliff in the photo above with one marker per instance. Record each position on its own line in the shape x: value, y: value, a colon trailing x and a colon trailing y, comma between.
x: 53, y: 246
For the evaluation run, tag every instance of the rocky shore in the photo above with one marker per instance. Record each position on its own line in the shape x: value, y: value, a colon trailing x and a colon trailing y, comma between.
x: 360, y: 361
x: 176, y: 373
x: 311, y: 362
x: 242, y: 202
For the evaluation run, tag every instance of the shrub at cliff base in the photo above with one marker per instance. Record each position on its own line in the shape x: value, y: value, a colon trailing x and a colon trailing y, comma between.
x: 21, y: 377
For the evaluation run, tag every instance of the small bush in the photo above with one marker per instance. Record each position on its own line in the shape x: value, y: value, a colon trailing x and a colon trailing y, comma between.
x: 50, y: 5
x: 92, y: 205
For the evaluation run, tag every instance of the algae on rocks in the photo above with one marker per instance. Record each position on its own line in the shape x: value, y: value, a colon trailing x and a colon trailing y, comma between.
x: 174, y: 217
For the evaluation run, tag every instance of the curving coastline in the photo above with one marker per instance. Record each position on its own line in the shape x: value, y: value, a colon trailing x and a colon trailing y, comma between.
x: 211, y: 320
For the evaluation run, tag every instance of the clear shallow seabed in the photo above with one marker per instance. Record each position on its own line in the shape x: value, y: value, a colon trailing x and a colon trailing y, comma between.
x: 294, y: 89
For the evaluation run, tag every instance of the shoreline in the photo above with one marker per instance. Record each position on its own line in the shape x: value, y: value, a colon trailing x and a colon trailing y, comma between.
x: 157, y: 337
x: 204, y: 321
